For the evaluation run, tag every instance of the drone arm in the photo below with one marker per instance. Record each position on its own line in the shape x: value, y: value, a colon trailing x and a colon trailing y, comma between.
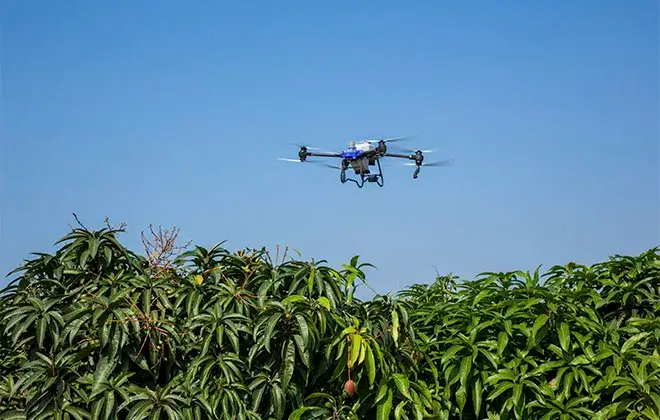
x: 396, y: 155
x: 324, y: 154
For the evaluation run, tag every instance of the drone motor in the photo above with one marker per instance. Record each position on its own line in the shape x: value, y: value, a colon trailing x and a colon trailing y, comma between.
x: 419, y: 157
x: 302, y: 154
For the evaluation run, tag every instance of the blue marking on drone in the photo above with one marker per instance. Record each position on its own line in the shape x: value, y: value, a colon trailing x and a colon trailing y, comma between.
x: 351, y: 154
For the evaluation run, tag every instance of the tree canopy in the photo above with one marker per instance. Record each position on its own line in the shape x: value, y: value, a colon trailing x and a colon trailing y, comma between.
x: 97, y: 331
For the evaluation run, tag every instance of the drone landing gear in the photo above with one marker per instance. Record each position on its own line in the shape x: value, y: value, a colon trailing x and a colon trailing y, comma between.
x: 368, y: 177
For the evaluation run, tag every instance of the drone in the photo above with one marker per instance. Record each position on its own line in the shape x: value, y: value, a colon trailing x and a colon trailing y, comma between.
x: 364, y: 154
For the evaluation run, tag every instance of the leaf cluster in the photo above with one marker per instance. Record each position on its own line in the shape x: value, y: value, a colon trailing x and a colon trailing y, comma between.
x: 96, y: 331
x: 579, y: 342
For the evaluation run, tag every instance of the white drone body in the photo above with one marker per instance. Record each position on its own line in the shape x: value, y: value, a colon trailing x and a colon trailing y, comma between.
x: 364, y: 146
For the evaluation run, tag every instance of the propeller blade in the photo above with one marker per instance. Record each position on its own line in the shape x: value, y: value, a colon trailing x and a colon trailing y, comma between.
x: 417, y: 150
x: 389, y: 140
x: 447, y: 162
x: 316, y: 162
x: 327, y: 165
x: 303, y: 145
x: 313, y: 149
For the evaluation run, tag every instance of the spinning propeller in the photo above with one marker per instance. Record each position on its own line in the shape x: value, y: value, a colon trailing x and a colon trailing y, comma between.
x: 418, y: 151
x: 304, y: 146
x: 310, y: 161
x: 447, y: 162
x: 382, y: 143
x: 391, y: 139
x: 419, y: 162
x: 305, y: 151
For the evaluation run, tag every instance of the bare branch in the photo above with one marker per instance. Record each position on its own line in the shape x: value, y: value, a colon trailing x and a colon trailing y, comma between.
x: 120, y: 228
x: 161, y: 248
x: 75, y: 216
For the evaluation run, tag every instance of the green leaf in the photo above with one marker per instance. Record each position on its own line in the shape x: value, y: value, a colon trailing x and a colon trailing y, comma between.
x: 370, y: 364
x: 103, y: 370
x: 289, y: 362
x: 502, y: 341
x: 395, y: 327
x: 499, y: 389
x: 356, y: 347
x: 461, y: 397
x: 16, y: 415
x: 382, y: 392
x: 398, y: 411
x: 564, y: 336
x: 539, y: 322
x: 580, y: 360
x: 402, y: 384
x: 297, y: 414
x: 632, y: 341
x: 465, y: 370
x: 324, y: 301
x: 293, y: 299
x: 477, y: 392
x: 449, y: 354
x: 303, y: 328
x: 385, y: 407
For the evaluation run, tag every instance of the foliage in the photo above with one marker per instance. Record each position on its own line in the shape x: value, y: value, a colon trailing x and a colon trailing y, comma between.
x: 98, y: 331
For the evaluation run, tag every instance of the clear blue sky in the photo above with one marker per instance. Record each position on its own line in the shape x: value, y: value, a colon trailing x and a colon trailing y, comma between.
x: 173, y: 113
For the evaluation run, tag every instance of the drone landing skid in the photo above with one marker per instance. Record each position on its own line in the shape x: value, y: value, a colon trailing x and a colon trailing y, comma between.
x: 377, y: 178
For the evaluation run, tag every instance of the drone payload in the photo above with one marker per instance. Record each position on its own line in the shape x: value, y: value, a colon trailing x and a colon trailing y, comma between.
x: 363, y: 155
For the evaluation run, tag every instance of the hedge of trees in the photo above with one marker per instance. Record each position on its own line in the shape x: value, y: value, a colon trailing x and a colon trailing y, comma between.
x: 98, y: 331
